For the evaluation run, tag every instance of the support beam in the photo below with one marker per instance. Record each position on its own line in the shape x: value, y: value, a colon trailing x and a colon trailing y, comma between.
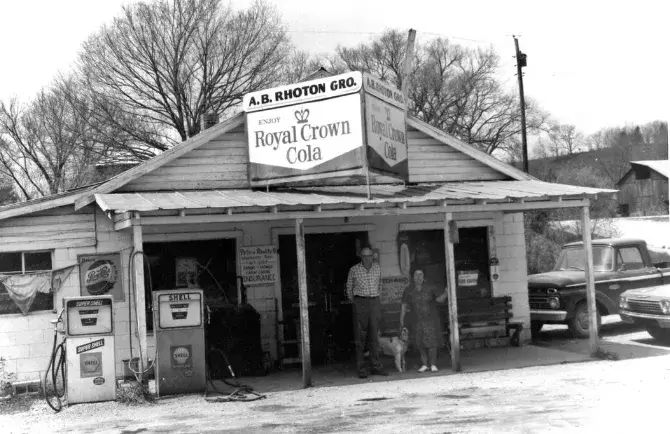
x: 359, y: 211
x: 590, y: 282
x: 304, y: 303
x: 452, y: 301
x: 138, y: 281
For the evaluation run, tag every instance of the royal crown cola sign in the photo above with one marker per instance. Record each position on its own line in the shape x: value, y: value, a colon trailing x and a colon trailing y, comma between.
x: 311, y: 128
x: 386, y: 132
x: 317, y: 129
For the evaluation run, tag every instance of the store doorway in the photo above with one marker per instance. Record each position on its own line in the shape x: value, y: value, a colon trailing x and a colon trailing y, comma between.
x: 471, y: 259
x: 328, y: 257
x: 233, y: 327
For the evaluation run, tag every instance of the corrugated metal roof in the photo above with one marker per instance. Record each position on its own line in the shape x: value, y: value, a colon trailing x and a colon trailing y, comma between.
x: 352, y: 195
x: 660, y: 166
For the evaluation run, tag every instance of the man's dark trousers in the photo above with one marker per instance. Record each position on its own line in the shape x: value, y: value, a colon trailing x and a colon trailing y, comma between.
x: 367, y: 313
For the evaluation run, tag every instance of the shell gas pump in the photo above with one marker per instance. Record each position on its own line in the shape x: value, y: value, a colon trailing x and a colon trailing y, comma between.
x: 90, y: 374
x: 179, y: 327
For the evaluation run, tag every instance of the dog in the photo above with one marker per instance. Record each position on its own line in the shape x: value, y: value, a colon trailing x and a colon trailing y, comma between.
x: 395, y: 346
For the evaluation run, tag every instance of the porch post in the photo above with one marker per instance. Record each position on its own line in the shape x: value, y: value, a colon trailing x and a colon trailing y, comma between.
x: 140, y: 302
x: 454, y: 339
x: 590, y: 283
x: 304, y: 304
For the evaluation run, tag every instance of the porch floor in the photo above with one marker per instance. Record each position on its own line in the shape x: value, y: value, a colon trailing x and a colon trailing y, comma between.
x: 485, y: 359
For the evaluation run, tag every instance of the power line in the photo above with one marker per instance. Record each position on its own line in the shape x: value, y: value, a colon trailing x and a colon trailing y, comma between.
x: 346, y: 32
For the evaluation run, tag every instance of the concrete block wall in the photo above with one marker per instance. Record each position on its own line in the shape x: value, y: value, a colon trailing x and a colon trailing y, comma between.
x: 511, y: 251
x: 26, y: 341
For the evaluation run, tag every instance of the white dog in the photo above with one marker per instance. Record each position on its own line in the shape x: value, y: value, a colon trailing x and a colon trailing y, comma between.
x: 395, y: 346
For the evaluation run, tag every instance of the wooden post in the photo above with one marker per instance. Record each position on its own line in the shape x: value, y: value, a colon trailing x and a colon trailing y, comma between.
x: 407, y: 62
x: 590, y: 282
x: 140, y: 302
x: 454, y: 339
x: 304, y: 304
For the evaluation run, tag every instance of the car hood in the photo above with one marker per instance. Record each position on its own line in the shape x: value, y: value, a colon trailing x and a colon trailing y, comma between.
x: 556, y: 278
x: 651, y: 293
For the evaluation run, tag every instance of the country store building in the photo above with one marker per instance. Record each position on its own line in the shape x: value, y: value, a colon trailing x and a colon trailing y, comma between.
x: 335, y: 160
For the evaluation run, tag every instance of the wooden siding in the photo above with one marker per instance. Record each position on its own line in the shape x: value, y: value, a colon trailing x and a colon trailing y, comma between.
x: 644, y: 196
x: 56, y: 228
x: 433, y: 161
x: 220, y: 163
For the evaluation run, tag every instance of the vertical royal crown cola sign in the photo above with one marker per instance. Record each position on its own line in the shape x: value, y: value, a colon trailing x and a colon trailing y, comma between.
x: 315, y: 129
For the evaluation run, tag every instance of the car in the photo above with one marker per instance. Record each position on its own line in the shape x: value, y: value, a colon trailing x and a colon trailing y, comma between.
x: 619, y: 264
x: 650, y: 308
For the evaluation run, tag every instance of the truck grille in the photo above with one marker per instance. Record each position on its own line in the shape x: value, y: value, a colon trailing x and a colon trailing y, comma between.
x: 538, y: 302
x: 644, y: 306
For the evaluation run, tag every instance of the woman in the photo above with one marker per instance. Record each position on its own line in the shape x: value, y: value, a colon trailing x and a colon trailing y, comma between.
x: 422, y: 300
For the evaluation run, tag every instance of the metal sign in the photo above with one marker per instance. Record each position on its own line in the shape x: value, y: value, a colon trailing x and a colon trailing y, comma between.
x: 316, y: 129
x: 386, y: 137
x: 303, y: 139
x: 101, y: 275
x: 297, y: 93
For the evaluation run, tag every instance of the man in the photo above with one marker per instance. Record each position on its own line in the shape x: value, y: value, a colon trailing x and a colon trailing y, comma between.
x: 363, y: 289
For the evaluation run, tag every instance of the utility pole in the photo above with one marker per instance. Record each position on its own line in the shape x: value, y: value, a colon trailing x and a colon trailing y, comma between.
x: 520, y: 63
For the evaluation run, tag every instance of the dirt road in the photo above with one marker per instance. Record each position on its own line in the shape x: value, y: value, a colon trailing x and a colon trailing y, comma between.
x: 588, y: 397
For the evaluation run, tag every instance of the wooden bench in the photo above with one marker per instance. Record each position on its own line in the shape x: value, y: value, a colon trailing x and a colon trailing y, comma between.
x: 482, y: 322
x: 485, y: 322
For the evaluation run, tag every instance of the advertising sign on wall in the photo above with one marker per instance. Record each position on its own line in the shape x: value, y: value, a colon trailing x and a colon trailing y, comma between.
x: 303, y: 139
x: 258, y: 265
x: 101, y: 275
x: 314, y: 129
x: 386, y: 137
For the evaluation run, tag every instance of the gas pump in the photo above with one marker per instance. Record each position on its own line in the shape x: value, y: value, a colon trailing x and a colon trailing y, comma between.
x: 90, y: 373
x: 179, y: 327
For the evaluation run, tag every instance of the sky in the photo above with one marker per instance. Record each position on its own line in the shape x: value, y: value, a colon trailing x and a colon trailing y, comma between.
x: 594, y: 64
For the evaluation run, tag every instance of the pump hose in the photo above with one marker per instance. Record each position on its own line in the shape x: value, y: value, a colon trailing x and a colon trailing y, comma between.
x: 56, y: 365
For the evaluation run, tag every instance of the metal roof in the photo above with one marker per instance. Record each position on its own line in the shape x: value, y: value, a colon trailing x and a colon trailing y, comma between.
x: 343, y: 195
x: 660, y: 166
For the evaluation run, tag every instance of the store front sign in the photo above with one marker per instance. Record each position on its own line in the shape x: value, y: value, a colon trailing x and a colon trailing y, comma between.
x: 304, y: 136
x: 317, y: 129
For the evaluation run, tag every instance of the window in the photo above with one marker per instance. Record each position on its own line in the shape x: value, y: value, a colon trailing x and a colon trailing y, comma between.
x: 21, y: 263
x: 630, y: 258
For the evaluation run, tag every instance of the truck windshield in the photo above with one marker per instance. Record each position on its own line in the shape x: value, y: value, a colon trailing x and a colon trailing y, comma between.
x: 573, y: 258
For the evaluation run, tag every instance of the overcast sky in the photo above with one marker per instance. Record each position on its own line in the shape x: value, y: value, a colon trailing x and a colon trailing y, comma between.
x: 590, y: 63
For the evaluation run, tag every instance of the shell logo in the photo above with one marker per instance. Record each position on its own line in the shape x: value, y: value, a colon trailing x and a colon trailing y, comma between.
x: 181, y: 355
x: 91, y: 364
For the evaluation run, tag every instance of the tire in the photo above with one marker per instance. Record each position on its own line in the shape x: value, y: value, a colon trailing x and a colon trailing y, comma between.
x: 535, y: 327
x: 579, y: 324
x: 660, y: 334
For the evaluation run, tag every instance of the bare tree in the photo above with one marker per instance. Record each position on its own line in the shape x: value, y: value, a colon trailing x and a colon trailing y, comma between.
x: 47, y: 146
x: 565, y: 139
x: 451, y: 87
x: 169, y: 63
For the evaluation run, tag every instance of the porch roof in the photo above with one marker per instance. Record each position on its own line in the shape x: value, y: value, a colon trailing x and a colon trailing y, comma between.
x: 381, y: 195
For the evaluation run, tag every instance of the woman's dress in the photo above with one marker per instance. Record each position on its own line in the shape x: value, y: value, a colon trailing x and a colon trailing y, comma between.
x: 427, y: 328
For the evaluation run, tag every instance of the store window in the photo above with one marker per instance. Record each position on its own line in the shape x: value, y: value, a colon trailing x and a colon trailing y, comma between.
x: 22, y: 263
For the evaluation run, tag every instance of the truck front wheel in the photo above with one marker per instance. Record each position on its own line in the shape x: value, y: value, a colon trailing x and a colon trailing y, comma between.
x: 660, y: 334
x: 579, y: 324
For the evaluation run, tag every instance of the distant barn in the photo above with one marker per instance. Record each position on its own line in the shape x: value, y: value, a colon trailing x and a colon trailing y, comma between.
x: 643, y: 190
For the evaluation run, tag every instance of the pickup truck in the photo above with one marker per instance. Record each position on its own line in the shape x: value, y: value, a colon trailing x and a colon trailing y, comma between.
x: 559, y: 296
x: 650, y: 308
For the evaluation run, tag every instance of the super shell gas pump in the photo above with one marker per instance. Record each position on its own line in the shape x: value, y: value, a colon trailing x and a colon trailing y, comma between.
x: 90, y: 360
x: 180, y: 341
